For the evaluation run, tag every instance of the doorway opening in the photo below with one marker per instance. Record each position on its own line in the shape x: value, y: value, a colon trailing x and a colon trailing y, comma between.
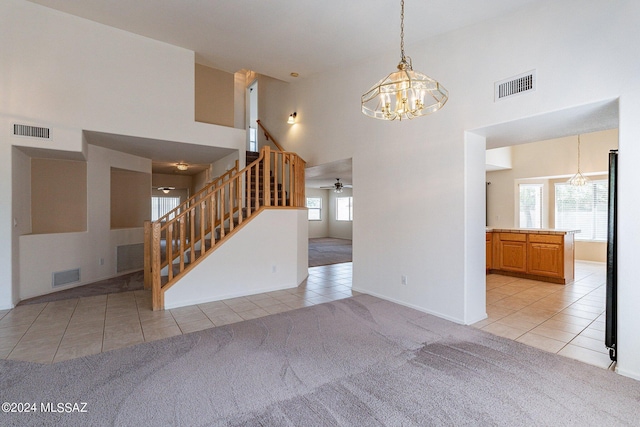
x: 252, y: 116
x: 565, y: 319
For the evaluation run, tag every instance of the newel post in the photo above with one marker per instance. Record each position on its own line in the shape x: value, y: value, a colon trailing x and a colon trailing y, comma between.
x: 157, y: 296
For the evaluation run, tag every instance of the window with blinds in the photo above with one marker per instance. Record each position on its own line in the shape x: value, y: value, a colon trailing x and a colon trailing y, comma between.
x: 314, y: 205
x: 161, y: 205
x: 583, y: 208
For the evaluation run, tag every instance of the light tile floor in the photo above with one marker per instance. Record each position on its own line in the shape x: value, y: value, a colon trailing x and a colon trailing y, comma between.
x: 61, y: 330
x: 563, y: 319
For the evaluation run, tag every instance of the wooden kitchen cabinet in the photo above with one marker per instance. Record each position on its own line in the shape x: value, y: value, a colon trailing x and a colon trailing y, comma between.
x: 513, y: 252
x: 546, y: 255
x: 535, y: 254
x: 489, y: 251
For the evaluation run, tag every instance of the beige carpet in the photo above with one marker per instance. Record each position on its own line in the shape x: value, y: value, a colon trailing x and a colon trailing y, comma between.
x: 125, y: 283
x: 360, y: 361
x: 328, y: 250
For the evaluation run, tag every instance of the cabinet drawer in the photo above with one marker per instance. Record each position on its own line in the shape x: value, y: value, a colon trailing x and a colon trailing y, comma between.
x: 488, y: 237
x: 546, y: 238
x: 513, y: 237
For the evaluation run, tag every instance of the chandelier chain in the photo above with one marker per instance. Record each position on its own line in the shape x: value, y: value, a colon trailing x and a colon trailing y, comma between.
x: 578, y: 153
x: 402, y: 30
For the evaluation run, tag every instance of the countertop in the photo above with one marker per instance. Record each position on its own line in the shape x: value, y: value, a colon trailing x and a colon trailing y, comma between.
x: 530, y: 230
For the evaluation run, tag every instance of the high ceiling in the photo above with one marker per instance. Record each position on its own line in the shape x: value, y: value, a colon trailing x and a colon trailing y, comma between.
x: 278, y: 37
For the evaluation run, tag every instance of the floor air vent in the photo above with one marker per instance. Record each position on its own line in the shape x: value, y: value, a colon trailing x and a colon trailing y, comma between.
x: 62, y: 278
x: 130, y: 257
x: 517, y: 85
x: 31, y: 131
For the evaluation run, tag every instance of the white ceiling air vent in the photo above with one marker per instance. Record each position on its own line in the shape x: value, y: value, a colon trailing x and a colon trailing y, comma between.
x: 31, y: 131
x: 525, y: 82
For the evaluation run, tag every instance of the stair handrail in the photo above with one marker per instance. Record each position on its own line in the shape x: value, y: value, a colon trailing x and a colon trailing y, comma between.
x: 213, y: 183
x: 213, y: 207
x: 268, y: 136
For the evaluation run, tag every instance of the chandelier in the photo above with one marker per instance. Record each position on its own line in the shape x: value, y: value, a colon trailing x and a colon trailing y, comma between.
x: 404, y: 94
x: 578, y: 180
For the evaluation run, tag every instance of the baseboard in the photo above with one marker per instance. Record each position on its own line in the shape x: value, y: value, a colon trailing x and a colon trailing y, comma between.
x: 415, y: 307
x: 227, y: 296
x: 630, y: 374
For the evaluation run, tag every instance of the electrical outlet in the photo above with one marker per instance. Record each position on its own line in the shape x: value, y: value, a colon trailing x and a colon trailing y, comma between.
x: 404, y: 279
x: 273, y: 269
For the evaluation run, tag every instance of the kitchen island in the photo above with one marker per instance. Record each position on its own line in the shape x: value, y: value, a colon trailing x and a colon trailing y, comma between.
x: 539, y: 254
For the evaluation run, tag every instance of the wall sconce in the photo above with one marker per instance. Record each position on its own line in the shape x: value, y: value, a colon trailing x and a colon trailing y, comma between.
x: 292, y: 118
x: 165, y: 190
x: 182, y: 166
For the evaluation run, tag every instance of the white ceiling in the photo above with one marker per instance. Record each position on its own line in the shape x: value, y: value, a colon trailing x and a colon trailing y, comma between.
x: 556, y: 124
x: 164, y: 154
x: 278, y: 37
x: 325, y: 175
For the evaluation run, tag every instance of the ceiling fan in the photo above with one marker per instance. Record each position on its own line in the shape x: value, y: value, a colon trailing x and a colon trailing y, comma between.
x: 165, y: 190
x: 337, y: 187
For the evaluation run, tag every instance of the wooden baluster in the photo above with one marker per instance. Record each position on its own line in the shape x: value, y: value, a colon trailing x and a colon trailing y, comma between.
x: 223, y: 200
x: 239, y: 198
x: 256, y: 200
x: 203, y: 217
x: 267, y: 177
x: 292, y: 181
x: 247, y: 185
x: 183, y: 233
x: 231, y: 205
x: 283, y: 189
x: 212, y: 211
x: 273, y: 182
x: 192, y: 234
x: 169, y: 245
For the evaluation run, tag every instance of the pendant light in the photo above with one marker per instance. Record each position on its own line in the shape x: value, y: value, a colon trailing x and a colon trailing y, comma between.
x: 404, y: 94
x: 578, y: 180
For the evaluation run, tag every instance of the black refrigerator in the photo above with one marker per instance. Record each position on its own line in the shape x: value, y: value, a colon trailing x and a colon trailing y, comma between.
x: 610, y: 339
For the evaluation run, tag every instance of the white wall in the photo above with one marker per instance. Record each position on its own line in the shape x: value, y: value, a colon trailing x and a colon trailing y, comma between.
x: 416, y: 178
x: 319, y: 228
x: 43, y: 254
x: 499, y: 158
x: 73, y: 74
x: 274, y: 249
x: 339, y: 229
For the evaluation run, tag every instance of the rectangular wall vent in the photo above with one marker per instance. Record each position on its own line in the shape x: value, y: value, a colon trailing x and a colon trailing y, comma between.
x: 517, y: 85
x: 31, y: 131
x: 130, y: 257
x: 62, y: 278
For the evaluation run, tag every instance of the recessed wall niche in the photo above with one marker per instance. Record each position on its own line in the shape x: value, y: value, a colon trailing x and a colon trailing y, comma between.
x: 58, y: 196
x: 130, y: 198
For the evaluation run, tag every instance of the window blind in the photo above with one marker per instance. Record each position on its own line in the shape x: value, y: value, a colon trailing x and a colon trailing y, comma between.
x: 583, y: 208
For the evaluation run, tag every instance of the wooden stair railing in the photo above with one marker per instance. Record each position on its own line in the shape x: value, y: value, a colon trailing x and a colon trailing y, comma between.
x: 268, y: 136
x: 181, y: 239
x: 200, y: 194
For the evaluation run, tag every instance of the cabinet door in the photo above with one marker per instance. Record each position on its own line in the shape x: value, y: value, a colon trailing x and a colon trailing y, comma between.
x: 545, y: 259
x: 513, y: 256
